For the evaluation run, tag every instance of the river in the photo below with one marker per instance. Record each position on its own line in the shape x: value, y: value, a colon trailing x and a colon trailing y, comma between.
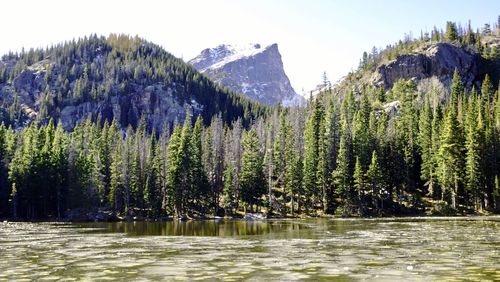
x: 396, y: 249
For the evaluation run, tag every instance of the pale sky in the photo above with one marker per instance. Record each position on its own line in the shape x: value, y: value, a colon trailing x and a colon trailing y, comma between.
x: 313, y: 35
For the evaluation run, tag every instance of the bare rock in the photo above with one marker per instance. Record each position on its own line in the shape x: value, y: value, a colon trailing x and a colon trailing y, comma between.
x: 253, y: 70
x: 435, y: 60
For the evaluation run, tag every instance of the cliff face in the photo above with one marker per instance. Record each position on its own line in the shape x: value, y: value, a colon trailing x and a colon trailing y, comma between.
x: 253, y: 70
x: 434, y: 60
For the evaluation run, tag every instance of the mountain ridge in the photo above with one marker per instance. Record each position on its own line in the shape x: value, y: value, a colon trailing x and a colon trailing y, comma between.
x: 251, y: 69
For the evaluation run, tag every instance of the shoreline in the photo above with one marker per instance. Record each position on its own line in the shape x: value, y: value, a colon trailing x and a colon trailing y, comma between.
x: 332, y: 217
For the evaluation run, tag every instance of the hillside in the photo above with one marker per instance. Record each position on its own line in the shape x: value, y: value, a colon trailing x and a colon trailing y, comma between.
x: 118, y: 77
x: 252, y: 69
x: 430, y: 61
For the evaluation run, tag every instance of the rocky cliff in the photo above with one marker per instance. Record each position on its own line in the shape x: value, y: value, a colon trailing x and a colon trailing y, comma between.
x: 433, y: 60
x: 430, y: 65
x: 253, y: 70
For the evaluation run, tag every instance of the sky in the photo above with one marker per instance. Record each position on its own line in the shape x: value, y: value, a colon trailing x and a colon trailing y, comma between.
x: 313, y: 36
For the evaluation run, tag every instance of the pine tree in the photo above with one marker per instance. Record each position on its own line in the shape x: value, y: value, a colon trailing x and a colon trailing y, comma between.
x: 152, y: 174
x: 451, y: 157
x: 280, y: 161
x: 313, y: 141
x: 436, y: 145
x: 487, y: 91
x: 185, y: 152
x: 60, y: 168
x: 375, y: 178
x: 451, y: 31
x: 407, y: 133
x: 199, y: 189
x: 174, y: 171
x: 342, y: 174
x: 425, y: 144
x: 457, y: 88
x: 128, y: 167
x: 293, y: 168
x: 359, y: 185
x: 253, y: 183
x: 332, y: 140
x: 473, y: 142
x: 229, y: 196
x: 116, y: 189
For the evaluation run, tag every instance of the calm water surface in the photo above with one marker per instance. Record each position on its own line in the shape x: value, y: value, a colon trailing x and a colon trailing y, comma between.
x: 406, y: 249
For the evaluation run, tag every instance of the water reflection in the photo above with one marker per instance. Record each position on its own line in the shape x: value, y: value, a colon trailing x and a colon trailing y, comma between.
x: 409, y: 249
x: 221, y: 228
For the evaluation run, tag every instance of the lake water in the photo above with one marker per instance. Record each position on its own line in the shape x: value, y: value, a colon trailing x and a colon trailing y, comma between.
x: 323, y: 249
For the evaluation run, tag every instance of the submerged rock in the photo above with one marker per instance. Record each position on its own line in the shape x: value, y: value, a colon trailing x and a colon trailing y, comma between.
x: 255, y: 216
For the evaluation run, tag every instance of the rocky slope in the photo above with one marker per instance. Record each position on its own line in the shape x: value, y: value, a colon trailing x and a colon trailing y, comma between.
x: 431, y: 65
x: 433, y: 60
x: 119, y: 78
x: 253, y: 70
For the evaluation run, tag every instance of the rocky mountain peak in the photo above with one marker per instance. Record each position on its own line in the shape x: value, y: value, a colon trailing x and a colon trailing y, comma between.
x: 251, y: 69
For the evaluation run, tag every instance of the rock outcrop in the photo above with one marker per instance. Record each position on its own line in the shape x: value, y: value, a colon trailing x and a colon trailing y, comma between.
x: 433, y: 60
x: 253, y: 70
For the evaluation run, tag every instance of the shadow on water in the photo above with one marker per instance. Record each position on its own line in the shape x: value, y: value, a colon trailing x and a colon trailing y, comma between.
x: 204, y: 228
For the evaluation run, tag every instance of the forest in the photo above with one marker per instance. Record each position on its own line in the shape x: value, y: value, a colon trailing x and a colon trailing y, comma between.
x: 434, y: 152
x: 344, y: 157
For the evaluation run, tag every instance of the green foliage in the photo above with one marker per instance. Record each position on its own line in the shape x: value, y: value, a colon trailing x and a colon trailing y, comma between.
x: 314, y: 155
x: 451, y: 31
x: 451, y: 161
x: 342, y: 154
x: 253, y: 183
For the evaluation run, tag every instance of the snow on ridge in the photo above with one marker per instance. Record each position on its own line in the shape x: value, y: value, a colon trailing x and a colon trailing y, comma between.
x: 236, y: 52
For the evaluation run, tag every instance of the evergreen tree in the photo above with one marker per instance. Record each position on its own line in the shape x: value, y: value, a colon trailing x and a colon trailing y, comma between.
x: 313, y: 141
x: 451, y: 31
x: 473, y: 171
x: 407, y: 134
x: 60, y: 168
x: 116, y: 189
x: 425, y: 144
x: 359, y: 184
x: 451, y: 157
x: 253, y: 183
x: 375, y: 179
x: 229, y: 199
x: 174, y: 172
x: 436, y: 145
x: 342, y: 174
x: 487, y: 91
x: 457, y: 88
x: 199, y: 189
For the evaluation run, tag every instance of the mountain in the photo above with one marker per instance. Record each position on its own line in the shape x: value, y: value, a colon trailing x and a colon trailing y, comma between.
x: 253, y: 70
x: 119, y: 77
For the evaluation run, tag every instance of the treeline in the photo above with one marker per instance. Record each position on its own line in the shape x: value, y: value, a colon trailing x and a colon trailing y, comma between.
x: 337, y: 156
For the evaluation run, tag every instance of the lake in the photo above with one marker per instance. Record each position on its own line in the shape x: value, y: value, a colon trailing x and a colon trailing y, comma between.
x: 314, y: 249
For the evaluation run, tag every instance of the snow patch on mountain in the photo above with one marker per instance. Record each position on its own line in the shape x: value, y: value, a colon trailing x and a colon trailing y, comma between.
x: 251, y: 69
